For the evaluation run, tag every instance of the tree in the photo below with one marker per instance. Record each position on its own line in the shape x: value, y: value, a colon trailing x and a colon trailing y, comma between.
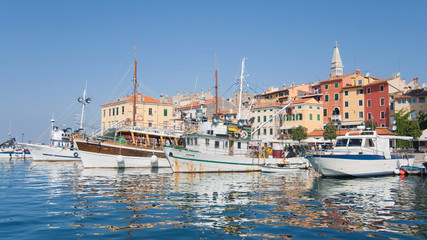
x: 330, y: 132
x: 406, y: 127
x: 298, y: 133
x: 422, y: 120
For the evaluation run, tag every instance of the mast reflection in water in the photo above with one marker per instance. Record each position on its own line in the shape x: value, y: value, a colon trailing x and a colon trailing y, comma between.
x: 63, y: 200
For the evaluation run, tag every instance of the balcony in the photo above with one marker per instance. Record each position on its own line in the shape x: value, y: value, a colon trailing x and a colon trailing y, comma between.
x: 335, y: 117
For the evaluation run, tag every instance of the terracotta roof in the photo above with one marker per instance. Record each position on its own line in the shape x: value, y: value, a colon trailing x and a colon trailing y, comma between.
x: 267, y: 105
x: 376, y: 82
x: 197, y: 103
x: 342, y: 132
x: 139, y: 99
x: 298, y: 101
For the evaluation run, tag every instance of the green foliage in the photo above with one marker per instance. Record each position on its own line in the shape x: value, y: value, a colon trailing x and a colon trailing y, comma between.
x: 298, y: 133
x: 422, y: 120
x: 330, y: 131
x: 406, y: 127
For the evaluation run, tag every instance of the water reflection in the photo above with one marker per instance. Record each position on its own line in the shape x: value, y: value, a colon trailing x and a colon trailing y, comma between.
x: 155, y: 203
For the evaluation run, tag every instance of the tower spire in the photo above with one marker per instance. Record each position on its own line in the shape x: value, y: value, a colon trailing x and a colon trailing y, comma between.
x: 336, y: 64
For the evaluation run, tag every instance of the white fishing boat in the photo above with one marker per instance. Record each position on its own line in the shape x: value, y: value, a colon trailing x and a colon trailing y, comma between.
x: 60, y: 147
x: 218, y: 146
x: 360, y: 154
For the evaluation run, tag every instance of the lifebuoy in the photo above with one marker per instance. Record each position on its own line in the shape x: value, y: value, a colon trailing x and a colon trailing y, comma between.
x: 140, y: 118
x: 243, y: 134
x: 76, y: 155
x: 127, y: 122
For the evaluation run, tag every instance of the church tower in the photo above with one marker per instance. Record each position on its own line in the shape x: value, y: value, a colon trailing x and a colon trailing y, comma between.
x: 336, y: 64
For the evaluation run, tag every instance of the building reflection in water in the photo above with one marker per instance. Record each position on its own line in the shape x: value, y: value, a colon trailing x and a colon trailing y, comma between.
x: 244, y: 204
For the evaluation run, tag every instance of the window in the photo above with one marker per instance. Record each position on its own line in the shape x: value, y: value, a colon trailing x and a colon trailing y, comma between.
x: 265, y: 118
x: 104, y: 112
x: 265, y: 131
x: 299, y: 116
x: 271, y: 131
x: 310, y: 107
x: 369, y: 143
x: 360, y: 102
x: 259, y: 118
x: 346, y: 115
x: 150, y: 124
x: 359, y: 82
x: 421, y: 100
x: 150, y: 111
x: 368, y: 103
x: 354, y: 142
x: 382, y: 115
x: 216, y: 144
x: 345, y: 93
x: 325, y: 112
x: 326, y: 86
x: 336, y: 85
x: 360, y: 114
x: 113, y: 111
x: 382, y: 102
x: 369, y: 116
x: 326, y: 98
x: 368, y: 90
x: 318, y: 117
x: 341, y: 143
x: 165, y: 112
x: 381, y: 88
x: 117, y: 111
x: 207, y: 142
x: 239, y: 145
x: 346, y: 104
x: 123, y: 110
x: 337, y: 97
x: 311, y: 116
x: 359, y: 91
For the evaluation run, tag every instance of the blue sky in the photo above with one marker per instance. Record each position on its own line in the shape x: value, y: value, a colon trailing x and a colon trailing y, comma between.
x: 49, y: 49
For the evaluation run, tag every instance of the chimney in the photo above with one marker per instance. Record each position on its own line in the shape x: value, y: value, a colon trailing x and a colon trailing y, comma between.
x: 191, y: 94
x: 201, y: 91
x: 358, y: 71
x: 284, y: 86
x: 415, y: 79
x: 177, y: 92
x: 394, y: 75
x: 209, y: 91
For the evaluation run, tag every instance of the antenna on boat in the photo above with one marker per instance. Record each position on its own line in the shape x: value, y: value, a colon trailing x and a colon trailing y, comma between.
x: 134, y: 88
x: 216, y: 88
x: 241, y: 86
x: 84, y: 101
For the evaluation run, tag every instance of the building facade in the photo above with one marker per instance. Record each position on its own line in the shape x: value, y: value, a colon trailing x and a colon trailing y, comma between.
x: 150, y: 113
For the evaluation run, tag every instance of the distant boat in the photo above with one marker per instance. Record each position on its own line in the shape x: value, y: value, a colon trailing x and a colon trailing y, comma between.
x: 11, y: 149
x: 360, y: 154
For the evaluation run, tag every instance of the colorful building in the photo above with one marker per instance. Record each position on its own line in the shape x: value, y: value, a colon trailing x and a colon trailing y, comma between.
x: 150, y: 113
x: 305, y: 112
x: 377, y: 103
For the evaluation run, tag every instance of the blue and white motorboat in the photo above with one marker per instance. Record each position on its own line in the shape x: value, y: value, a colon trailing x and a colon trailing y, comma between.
x: 360, y: 154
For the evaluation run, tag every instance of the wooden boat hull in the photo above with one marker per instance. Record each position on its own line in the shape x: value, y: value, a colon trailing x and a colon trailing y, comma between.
x: 182, y: 160
x: 110, y: 155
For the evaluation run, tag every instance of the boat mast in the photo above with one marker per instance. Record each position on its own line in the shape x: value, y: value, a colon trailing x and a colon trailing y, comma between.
x: 241, y: 86
x: 216, y: 88
x: 84, y: 101
x: 134, y: 89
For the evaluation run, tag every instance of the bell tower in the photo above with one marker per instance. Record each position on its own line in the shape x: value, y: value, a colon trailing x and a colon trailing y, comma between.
x: 336, y: 64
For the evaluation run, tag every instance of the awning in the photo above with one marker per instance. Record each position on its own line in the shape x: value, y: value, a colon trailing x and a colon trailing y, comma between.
x: 287, y: 127
x: 351, y: 123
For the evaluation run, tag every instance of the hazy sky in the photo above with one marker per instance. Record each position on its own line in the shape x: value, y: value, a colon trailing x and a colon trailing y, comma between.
x: 49, y: 49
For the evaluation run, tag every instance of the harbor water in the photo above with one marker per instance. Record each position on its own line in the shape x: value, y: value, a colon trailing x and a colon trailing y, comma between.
x: 53, y: 200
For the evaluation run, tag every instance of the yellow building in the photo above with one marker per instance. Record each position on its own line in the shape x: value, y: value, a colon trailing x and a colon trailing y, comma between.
x: 307, y: 113
x: 353, y: 106
x: 150, y: 113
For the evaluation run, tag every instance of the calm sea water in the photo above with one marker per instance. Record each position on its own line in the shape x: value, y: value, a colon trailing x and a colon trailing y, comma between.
x: 65, y: 201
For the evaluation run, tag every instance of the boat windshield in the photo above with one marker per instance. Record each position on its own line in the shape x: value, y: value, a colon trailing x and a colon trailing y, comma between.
x: 355, y: 142
x: 341, y: 143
